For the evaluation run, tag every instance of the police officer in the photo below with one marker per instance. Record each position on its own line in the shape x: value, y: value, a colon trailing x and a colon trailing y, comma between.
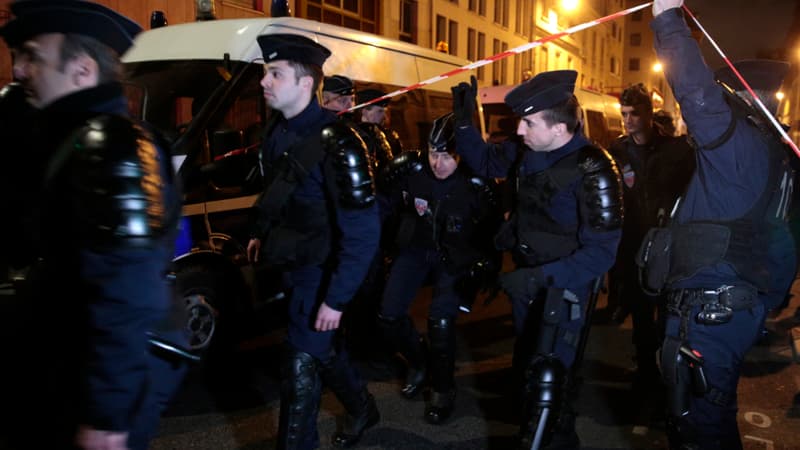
x: 720, y: 241
x: 377, y: 114
x: 655, y: 170
x: 318, y: 220
x: 563, y: 234
x: 338, y: 93
x: 378, y: 138
x: 109, y: 210
x: 442, y: 214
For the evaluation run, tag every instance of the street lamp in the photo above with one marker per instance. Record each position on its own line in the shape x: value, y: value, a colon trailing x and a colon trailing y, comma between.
x: 658, y: 67
x: 569, y: 5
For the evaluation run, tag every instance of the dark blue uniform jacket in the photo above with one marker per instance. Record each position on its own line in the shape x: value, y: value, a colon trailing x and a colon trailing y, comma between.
x: 597, y: 249
x: 97, y: 305
x: 358, y: 229
x: 730, y: 178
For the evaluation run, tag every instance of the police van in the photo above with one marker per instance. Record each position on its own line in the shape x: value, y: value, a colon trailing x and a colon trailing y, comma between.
x: 198, y: 85
x: 602, y: 120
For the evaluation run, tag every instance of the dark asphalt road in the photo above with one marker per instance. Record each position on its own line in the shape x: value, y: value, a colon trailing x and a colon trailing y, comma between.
x: 245, y: 416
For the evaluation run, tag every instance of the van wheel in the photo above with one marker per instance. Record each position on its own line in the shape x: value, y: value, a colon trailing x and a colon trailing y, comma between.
x: 199, y: 290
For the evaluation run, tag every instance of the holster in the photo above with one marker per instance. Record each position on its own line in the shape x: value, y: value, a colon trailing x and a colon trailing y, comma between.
x: 683, y: 374
x: 653, y: 260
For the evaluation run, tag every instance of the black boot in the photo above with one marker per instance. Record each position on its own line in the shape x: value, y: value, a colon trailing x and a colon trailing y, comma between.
x: 300, y: 396
x: 442, y: 335
x: 362, y: 413
x: 402, y: 335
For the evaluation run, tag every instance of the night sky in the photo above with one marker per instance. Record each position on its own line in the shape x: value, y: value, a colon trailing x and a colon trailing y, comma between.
x: 742, y: 27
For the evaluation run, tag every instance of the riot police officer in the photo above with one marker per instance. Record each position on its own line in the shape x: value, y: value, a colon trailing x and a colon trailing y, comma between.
x: 316, y: 219
x: 655, y: 170
x: 338, y: 93
x: 108, y: 215
x: 442, y: 214
x: 376, y: 114
x: 718, y: 259
x: 563, y: 234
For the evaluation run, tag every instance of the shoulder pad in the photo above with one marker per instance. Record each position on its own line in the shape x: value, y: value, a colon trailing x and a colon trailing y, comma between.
x: 352, y: 183
x: 124, y: 186
x: 400, y: 167
x: 601, y: 190
x: 593, y: 159
x: 378, y: 146
x: 477, y: 182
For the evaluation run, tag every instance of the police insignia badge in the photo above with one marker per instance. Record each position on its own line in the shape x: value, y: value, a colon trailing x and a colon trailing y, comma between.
x: 421, y: 205
x: 628, y: 175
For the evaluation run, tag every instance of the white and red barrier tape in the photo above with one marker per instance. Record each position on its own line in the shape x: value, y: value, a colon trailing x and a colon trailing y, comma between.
x: 763, y: 108
x: 566, y: 32
x: 504, y: 54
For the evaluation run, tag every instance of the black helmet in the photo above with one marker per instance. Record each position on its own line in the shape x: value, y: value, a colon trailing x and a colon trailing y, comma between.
x: 442, y: 137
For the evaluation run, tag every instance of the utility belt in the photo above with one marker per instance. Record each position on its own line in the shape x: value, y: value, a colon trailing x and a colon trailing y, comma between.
x: 718, y: 304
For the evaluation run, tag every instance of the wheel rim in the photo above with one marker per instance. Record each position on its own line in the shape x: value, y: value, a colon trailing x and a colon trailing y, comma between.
x: 202, y: 322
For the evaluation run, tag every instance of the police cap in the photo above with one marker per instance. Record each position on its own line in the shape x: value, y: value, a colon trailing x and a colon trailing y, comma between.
x: 443, y: 136
x: 292, y: 47
x: 367, y: 95
x: 544, y: 91
x: 338, y: 84
x: 761, y: 74
x: 35, y: 17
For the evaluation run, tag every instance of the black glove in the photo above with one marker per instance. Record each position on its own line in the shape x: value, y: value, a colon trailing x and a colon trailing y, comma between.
x: 522, y: 283
x: 464, y: 104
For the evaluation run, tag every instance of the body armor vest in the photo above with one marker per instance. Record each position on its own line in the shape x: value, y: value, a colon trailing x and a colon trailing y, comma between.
x: 539, y: 237
x: 448, y: 225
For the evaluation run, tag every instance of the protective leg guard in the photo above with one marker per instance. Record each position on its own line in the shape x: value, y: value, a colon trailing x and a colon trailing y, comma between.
x: 300, y: 395
x: 442, y: 335
x: 362, y: 413
x: 543, y: 398
x: 405, y: 339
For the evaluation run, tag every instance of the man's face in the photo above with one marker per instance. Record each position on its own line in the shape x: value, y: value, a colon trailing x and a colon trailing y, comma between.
x: 636, y: 119
x: 38, y: 67
x: 336, y: 102
x: 282, y: 90
x: 443, y: 164
x: 373, y: 114
x: 537, y: 134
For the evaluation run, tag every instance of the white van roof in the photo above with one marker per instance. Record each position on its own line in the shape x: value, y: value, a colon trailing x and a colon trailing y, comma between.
x: 358, y: 55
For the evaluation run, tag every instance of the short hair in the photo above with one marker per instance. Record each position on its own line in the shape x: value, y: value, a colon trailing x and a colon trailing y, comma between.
x: 108, y: 64
x: 636, y: 95
x: 307, y: 70
x: 568, y: 113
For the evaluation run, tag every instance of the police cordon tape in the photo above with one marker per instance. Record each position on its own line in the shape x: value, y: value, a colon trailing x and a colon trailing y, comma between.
x: 744, y: 82
x: 513, y: 51
x: 568, y: 31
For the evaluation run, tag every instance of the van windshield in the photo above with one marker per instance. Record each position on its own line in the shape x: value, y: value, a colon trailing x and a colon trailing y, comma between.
x: 171, y: 94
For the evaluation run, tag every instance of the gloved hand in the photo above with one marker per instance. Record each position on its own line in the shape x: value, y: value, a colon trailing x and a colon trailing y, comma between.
x: 522, y: 283
x: 660, y: 6
x: 464, y: 103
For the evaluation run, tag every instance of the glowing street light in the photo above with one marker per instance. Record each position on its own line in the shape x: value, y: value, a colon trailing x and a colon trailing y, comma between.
x: 779, y: 95
x: 569, y: 5
x: 658, y: 67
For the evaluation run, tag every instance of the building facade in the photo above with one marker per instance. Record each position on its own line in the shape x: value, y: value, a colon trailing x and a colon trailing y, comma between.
x: 608, y: 57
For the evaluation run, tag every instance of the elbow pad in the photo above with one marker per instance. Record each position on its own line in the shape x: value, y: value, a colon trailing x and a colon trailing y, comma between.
x: 601, y: 191
x: 352, y: 175
x: 125, y: 192
x: 398, y: 169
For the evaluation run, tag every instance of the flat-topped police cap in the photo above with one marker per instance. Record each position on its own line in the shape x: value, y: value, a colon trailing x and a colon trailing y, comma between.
x: 367, y: 95
x: 35, y: 17
x: 292, y: 47
x: 761, y: 74
x: 544, y: 91
x: 338, y: 84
